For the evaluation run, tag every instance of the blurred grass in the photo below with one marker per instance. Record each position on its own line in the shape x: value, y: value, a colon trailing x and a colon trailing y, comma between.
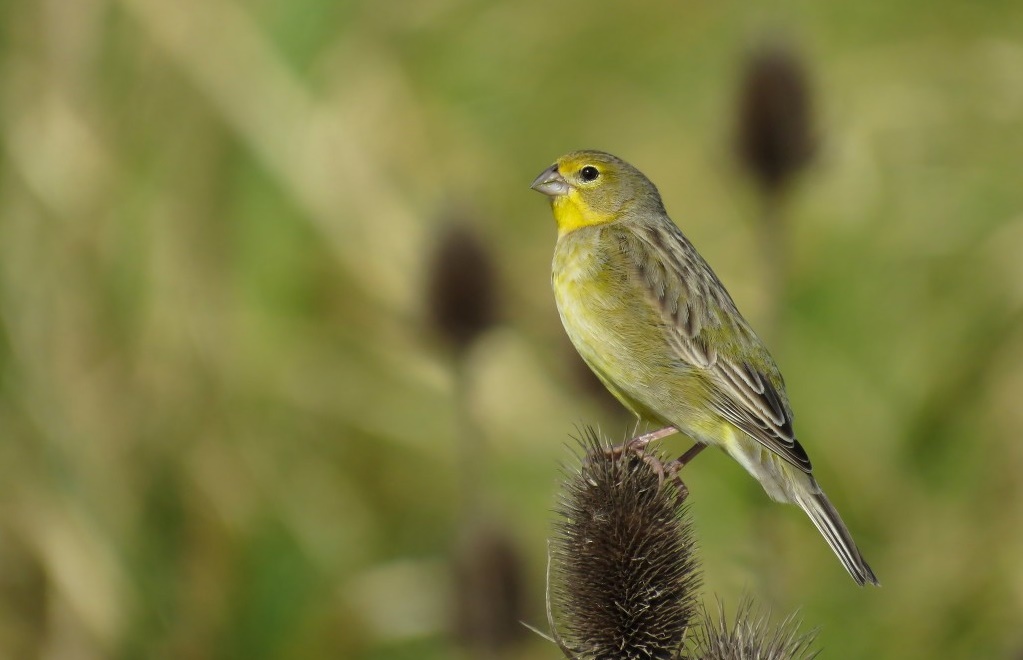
x: 224, y: 432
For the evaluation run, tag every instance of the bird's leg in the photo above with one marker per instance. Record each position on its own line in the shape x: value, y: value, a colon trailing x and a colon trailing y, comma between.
x: 671, y: 470
x: 676, y: 465
x: 638, y: 444
x: 641, y: 441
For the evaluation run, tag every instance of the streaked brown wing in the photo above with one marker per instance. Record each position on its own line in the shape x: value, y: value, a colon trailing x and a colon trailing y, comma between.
x: 696, y: 309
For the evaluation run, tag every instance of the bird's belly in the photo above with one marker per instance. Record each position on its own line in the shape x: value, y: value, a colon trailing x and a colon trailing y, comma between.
x: 619, y: 337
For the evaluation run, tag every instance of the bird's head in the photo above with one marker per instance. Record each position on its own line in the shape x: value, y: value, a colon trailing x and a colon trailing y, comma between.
x: 594, y: 188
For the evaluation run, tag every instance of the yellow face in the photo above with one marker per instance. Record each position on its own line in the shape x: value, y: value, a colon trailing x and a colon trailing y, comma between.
x: 593, y: 188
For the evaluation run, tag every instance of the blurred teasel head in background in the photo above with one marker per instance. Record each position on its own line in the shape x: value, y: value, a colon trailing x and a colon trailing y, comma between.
x: 774, y: 134
x: 490, y: 590
x: 461, y: 288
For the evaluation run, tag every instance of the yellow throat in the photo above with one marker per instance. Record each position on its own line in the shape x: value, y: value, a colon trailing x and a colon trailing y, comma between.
x: 571, y: 213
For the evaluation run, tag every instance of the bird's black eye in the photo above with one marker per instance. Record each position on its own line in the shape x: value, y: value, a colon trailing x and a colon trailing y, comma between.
x: 589, y: 173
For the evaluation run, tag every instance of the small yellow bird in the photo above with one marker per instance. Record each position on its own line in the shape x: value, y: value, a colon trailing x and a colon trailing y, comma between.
x: 656, y: 325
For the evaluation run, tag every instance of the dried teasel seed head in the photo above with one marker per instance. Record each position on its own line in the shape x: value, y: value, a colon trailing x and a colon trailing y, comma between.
x: 623, y: 558
x: 750, y: 637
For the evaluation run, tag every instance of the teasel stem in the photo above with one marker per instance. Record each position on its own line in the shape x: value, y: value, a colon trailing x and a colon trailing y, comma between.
x: 775, y: 142
x: 486, y: 563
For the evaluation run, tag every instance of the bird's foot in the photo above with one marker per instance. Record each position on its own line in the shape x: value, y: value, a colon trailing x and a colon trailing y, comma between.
x: 664, y: 471
x: 629, y: 448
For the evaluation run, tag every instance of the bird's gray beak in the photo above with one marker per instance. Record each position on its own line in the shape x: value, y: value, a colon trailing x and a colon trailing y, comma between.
x: 550, y: 182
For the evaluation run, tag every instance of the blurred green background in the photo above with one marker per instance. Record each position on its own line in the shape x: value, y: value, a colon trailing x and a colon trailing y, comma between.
x: 229, y: 428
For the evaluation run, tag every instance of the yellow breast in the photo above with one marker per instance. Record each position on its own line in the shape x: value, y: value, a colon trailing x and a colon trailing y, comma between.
x: 600, y: 318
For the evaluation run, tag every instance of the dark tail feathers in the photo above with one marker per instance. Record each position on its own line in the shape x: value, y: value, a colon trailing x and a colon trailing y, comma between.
x: 827, y: 521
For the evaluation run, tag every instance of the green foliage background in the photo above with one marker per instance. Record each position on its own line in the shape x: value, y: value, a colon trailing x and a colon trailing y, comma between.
x: 227, y: 431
